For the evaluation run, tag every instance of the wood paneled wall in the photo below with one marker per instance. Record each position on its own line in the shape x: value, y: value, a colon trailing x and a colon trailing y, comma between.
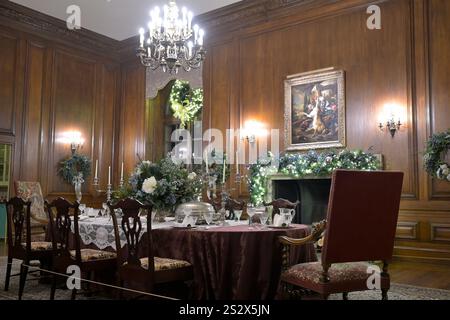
x: 406, y: 62
x: 51, y: 83
x: 53, y: 80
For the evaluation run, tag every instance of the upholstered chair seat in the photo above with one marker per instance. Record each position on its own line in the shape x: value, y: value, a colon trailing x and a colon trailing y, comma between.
x: 91, y: 255
x: 343, y: 277
x: 165, y: 264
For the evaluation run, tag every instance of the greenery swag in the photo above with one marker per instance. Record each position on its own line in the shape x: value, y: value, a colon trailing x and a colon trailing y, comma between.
x: 185, y: 102
x: 75, y: 167
x: 437, y: 148
x: 308, y: 164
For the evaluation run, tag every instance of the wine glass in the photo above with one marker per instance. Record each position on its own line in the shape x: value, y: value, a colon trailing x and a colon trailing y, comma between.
x: 250, y: 212
x: 208, y: 217
x: 264, y: 216
x: 238, y: 214
x: 82, y: 208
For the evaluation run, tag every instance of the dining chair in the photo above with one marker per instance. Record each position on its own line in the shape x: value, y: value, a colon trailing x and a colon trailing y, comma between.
x: 20, y: 244
x: 32, y: 191
x: 281, y: 203
x: 63, y: 217
x: 361, y: 224
x: 138, y: 264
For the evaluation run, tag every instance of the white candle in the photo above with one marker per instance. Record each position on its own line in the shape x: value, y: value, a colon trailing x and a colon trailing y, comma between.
x: 224, y: 169
x: 142, y: 37
x: 121, y: 173
x: 96, y: 169
x: 109, y: 175
x: 237, y: 162
x: 206, y: 162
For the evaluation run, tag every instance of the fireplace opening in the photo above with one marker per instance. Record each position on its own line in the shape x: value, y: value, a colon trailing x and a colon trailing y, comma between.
x: 313, y: 195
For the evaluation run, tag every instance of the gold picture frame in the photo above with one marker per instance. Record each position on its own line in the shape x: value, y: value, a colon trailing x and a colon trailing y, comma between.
x: 315, y: 110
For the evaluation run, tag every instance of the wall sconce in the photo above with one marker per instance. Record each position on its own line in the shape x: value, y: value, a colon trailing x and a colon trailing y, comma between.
x: 392, y: 126
x: 73, y: 138
x: 252, y: 130
x: 391, y: 112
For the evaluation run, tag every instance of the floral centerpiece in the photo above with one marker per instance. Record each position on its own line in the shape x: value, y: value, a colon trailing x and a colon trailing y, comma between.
x: 165, y: 185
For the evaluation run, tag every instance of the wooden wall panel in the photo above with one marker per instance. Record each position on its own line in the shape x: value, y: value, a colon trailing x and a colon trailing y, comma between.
x: 439, y: 48
x: 404, y: 63
x: 132, y: 116
x: 73, y: 109
x: 9, y: 50
x: 31, y: 147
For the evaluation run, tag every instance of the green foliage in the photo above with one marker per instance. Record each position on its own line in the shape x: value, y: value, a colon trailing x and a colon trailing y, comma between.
x: 71, y: 168
x: 436, y: 150
x: 309, y: 164
x: 185, y: 102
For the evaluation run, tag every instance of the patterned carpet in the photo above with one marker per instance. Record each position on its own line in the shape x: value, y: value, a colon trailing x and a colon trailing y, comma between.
x: 36, y: 291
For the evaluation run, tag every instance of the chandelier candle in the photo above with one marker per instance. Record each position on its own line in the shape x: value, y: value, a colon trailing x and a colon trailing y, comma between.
x: 168, y: 43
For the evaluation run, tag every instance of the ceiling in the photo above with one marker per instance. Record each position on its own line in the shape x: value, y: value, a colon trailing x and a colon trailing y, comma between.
x: 117, y: 19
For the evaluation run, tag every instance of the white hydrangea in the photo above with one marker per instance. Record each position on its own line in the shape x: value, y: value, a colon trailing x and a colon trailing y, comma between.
x: 192, y: 176
x: 149, y: 185
x: 448, y: 177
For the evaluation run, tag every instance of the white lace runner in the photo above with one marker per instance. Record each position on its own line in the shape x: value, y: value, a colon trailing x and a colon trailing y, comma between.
x: 100, y: 232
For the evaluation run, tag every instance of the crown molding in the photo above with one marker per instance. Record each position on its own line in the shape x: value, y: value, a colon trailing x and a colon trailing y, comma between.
x: 27, y: 20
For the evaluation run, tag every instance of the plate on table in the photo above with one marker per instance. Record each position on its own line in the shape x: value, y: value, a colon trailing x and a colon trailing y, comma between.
x: 279, y: 227
x: 183, y: 227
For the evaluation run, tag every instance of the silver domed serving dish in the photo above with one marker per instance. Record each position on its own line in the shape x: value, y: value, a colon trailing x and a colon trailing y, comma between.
x: 197, y: 208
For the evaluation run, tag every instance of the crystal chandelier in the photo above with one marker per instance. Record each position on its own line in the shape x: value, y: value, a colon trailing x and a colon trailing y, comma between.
x: 171, y: 42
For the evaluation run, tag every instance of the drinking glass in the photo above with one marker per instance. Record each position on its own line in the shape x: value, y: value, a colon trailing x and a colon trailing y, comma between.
x: 238, y: 214
x: 82, y: 208
x: 105, y: 209
x: 208, y: 217
x: 264, y: 216
x: 250, y: 212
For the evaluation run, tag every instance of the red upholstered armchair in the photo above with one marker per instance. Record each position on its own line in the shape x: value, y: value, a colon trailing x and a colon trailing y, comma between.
x: 361, y: 224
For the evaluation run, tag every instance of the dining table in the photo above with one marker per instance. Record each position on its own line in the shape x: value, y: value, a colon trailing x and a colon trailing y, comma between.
x: 231, y: 261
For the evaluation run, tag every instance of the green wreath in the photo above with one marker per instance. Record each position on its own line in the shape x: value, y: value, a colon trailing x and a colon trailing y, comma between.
x: 185, y: 102
x: 437, y: 148
x: 76, y: 167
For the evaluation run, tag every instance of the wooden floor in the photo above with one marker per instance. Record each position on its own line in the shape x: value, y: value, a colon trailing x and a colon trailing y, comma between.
x: 421, y: 274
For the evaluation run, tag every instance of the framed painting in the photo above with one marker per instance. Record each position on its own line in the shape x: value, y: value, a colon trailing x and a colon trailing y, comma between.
x: 315, y: 110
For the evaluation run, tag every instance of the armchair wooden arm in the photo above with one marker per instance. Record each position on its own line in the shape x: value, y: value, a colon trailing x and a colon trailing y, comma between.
x: 316, y: 234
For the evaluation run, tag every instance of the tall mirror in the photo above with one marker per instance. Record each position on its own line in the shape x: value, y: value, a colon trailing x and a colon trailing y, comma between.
x: 5, y: 173
x: 173, y: 102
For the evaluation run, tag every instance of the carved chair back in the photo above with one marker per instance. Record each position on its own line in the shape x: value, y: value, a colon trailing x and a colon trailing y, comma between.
x: 18, y: 223
x: 131, y: 225
x: 362, y: 216
x: 60, y: 212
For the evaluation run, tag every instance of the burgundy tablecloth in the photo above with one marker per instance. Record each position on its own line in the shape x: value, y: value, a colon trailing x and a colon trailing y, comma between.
x: 232, y: 262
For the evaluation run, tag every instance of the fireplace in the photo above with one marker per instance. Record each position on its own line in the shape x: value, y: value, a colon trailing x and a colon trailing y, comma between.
x: 313, y: 195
